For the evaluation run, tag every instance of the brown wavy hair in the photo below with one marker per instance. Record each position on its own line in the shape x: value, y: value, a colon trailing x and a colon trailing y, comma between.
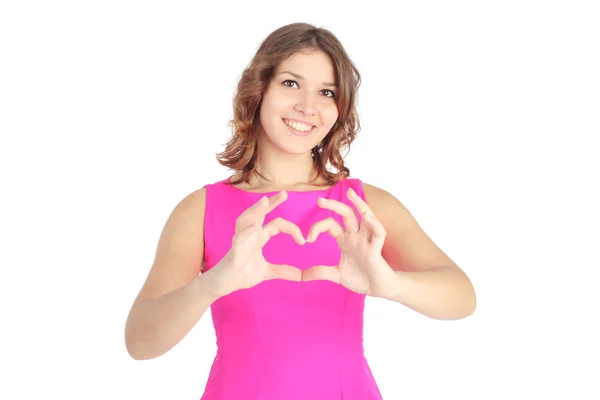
x: 241, y: 152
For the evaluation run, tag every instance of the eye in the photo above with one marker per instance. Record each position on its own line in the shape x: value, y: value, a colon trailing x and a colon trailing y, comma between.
x: 289, y: 80
x: 330, y: 91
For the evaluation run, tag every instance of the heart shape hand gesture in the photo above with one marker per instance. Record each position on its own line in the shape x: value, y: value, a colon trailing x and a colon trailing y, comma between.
x: 361, y: 269
x: 244, y: 265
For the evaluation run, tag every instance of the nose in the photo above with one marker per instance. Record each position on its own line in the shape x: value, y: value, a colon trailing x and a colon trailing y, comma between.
x: 306, y: 104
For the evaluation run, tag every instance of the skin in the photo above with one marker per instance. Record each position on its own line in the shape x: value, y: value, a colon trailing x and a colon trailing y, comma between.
x: 385, y: 253
x: 284, y: 158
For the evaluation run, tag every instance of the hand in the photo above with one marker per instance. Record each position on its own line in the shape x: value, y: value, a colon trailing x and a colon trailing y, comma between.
x: 244, y: 265
x: 362, y: 268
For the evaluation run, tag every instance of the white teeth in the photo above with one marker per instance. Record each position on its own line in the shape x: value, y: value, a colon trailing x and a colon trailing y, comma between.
x: 298, y: 126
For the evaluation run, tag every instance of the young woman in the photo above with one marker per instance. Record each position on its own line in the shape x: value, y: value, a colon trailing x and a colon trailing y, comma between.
x: 285, y: 250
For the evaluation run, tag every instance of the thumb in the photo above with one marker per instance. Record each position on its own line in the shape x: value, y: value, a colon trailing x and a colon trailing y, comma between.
x: 321, y: 272
x: 283, y: 271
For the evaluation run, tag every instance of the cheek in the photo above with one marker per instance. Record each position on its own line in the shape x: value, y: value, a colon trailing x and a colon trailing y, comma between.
x: 268, y: 110
x: 330, y: 115
x: 275, y: 110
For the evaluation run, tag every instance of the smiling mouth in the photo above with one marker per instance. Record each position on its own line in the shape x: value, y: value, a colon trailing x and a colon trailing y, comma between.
x: 299, y: 127
x: 298, y: 132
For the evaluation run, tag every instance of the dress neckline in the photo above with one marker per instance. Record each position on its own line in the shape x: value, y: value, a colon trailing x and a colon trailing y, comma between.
x: 326, y: 190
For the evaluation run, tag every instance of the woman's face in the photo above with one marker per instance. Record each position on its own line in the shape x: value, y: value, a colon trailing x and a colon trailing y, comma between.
x: 302, y: 89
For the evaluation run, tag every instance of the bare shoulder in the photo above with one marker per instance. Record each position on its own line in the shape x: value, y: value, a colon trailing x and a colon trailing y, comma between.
x: 193, y: 202
x: 373, y: 191
x: 407, y: 246
x: 186, y: 218
x: 180, y: 250
x: 387, y: 207
x: 380, y: 200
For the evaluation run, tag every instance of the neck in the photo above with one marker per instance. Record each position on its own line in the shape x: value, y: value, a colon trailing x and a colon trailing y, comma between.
x: 283, y: 168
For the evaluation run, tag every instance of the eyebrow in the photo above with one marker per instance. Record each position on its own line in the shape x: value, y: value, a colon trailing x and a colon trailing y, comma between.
x: 302, y: 78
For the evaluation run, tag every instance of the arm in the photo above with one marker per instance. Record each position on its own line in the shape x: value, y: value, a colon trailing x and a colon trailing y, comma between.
x: 174, y: 296
x: 428, y: 281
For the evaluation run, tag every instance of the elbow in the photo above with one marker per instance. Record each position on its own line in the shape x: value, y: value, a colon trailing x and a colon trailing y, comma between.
x: 467, y: 306
x: 471, y: 302
x: 136, y: 350
x: 134, y: 344
x: 138, y: 356
x: 133, y: 349
x: 134, y: 354
x: 461, y: 308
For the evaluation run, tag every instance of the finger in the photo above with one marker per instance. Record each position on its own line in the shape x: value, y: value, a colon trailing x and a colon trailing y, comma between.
x: 326, y: 225
x: 379, y: 232
x: 260, y: 209
x: 276, y: 200
x: 250, y: 228
x: 279, y: 225
x: 342, y: 209
x: 363, y: 208
x: 252, y: 215
x: 320, y: 273
x: 358, y: 202
x: 283, y: 271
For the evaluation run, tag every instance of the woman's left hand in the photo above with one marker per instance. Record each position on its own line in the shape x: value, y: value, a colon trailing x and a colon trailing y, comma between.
x: 362, y: 267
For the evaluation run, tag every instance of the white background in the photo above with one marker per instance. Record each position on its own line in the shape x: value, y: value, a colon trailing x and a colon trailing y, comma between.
x: 481, y: 117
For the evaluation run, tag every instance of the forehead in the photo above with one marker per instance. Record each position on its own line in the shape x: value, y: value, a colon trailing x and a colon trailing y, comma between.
x: 313, y: 65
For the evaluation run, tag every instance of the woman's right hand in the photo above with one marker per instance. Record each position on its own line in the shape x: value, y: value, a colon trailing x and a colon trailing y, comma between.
x: 244, y: 265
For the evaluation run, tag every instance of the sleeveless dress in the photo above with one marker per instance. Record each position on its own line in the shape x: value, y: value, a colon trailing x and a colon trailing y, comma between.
x: 284, y: 340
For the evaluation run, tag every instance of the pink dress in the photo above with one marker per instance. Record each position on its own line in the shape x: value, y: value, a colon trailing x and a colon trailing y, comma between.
x: 283, y: 340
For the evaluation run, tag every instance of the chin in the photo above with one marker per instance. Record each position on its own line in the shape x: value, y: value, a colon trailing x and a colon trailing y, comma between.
x: 290, y: 144
x: 294, y: 150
